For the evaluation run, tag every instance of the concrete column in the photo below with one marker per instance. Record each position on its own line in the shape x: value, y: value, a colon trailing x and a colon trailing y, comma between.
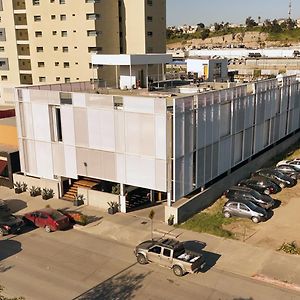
x: 147, y: 76
x: 169, y: 199
x: 122, y: 199
x: 117, y: 78
x: 152, y: 196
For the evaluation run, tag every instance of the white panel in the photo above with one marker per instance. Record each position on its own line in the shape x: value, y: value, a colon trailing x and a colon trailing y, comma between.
x: 119, y: 131
x: 138, y: 104
x: 44, y: 160
x: 67, y: 124
x: 58, y: 159
x: 28, y: 120
x: 160, y: 136
x: 70, y: 161
x: 120, y: 167
x: 40, y: 115
x: 31, y: 159
x: 78, y: 99
x: 140, y: 171
x: 94, y: 128
x: 107, y: 123
x: 161, y: 175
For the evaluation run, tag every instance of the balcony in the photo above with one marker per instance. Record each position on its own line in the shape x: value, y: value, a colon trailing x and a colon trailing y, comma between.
x: 25, y: 65
x: 26, y: 79
x: 20, y: 19
x: 23, y: 50
x: 19, y: 5
x: 22, y: 34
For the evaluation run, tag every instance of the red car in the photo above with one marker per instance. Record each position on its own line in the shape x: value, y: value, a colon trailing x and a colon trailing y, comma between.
x: 48, y: 218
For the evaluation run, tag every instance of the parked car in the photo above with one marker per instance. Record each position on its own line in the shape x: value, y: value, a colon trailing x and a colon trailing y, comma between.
x: 48, y: 218
x: 289, y: 170
x: 170, y: 253
x: 261, y: 184
x: 275, y: 175
x: 10, y: 224
x: 292, y: 162
x: 244, y: 209
x: 248, y: 194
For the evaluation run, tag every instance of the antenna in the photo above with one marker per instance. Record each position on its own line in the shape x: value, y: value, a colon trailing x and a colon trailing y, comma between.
x: 290, y: 9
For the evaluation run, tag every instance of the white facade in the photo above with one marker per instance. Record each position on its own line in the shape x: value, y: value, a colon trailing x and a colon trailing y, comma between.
x: 114, y: 138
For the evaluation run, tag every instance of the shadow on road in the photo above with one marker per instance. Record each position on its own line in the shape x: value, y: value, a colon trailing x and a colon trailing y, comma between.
x: 211, y: 259
x: 9, y: 248
x: 16, y: 205
x: 119, y: 286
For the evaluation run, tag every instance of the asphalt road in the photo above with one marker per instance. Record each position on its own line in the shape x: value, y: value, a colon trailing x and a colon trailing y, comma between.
x: 76, y: 265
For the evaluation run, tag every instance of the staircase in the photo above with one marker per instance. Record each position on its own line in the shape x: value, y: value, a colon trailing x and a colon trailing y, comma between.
x: 87, y: 183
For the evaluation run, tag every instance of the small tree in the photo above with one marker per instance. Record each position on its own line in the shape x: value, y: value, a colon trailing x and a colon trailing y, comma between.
x: 204, y: 34
x: 250, y: 22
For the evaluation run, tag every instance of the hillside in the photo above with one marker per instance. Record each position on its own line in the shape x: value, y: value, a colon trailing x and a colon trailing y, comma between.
x: 251, y: 39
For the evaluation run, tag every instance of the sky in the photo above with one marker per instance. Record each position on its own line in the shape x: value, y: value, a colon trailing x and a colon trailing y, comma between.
x: 191, y: 12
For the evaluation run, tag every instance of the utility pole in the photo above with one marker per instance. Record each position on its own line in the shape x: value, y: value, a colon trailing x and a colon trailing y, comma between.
x: 290, y: 9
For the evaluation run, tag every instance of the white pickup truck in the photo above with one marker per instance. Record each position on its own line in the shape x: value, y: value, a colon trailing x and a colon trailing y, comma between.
x: 170, y: 253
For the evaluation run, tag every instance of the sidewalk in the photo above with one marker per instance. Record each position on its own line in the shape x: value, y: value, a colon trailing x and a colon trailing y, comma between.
x: 221, y: 254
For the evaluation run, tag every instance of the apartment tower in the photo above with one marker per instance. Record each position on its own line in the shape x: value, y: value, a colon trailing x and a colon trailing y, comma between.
x: 51, y: 41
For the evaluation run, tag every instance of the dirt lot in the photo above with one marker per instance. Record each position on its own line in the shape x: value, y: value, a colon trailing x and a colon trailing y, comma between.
x: 284, y: 226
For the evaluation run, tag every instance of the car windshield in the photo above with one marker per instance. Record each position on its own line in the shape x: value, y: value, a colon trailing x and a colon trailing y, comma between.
x: 55, y: 215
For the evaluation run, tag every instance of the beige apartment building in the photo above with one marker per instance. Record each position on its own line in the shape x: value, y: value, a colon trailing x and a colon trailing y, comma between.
x: 51, y: 41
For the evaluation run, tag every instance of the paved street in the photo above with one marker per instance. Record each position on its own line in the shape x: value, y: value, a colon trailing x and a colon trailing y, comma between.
x: 65, y: 265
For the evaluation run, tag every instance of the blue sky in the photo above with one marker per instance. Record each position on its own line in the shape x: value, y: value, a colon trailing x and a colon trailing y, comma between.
x: 190, y: 12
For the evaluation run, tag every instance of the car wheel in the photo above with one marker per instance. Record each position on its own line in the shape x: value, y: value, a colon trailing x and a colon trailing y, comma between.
x: 177, y: 270
x: 1, y: 232
x: 255, y: 220
x: 141, y: 259
x: 47, y: 229
x: 227, y: 214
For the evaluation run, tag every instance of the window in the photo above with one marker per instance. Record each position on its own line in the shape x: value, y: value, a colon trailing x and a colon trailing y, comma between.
x: 244, y: 207
x: 93, y: 33
x: 150, y: 33
x: 39, y: 49
x: 94, y: 49
x: 92, y: 16
x: 64, y: 33
x: 1, y: 49
x: 150, y: 2
x: 38, y: 34
x: 37, y: 18
x: 41, y: 64
x: 62, y: 2
x: 53, y: 17
x: 233, y: 205
x: 35, y: 2
x: 42, y: 79
x: 66, y: 64
x: 167, y: 252
x: 155, y: 249
x: 149, y: 19
x: 92, y: 1
x: 55, y: 48
x: 58, y: 124
x: 65, y: 49
x: 56, y: 64
x: 67, y: 79
x: 57, y: 78
x: 63, y: 17
x: 54, y: 32
x: 4, y: 77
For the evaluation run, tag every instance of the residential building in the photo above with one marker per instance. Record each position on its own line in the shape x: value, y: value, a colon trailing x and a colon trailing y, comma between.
x: 48, y: 42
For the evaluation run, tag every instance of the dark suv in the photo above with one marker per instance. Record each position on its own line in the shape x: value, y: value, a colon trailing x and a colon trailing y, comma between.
x: 277, y: 176
x: 247, y: 194
x: 261, y: 184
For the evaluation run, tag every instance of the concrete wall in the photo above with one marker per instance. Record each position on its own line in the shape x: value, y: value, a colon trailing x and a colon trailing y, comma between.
x: 96, y: 198
x: 185, y: 208
x: 42, y: 183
